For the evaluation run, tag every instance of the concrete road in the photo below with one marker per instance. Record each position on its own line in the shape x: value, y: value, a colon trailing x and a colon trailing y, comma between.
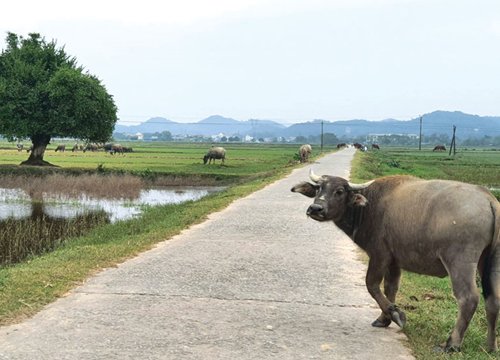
x: 258, y: 280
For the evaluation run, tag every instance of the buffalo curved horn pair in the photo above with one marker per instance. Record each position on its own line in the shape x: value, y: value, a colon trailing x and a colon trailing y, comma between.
x: 360, y: 186
x: 316, y: 178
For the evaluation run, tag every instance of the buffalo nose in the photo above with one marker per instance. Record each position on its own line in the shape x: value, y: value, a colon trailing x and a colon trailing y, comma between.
x: 314, y: 209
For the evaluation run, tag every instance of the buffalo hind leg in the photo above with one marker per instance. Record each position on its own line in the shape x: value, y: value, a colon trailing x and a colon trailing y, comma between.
x: 376, y: 272
x: 391, y: 287
x: 463, y: 281
x: 491, y: 293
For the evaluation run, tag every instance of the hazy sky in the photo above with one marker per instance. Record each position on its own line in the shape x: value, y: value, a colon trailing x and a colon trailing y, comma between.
x: 283, y: 60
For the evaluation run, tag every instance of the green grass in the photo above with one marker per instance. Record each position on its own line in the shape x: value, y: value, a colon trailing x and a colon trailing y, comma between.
x: 167, y: 158
x: 428, y: 302
x: 26, y: 287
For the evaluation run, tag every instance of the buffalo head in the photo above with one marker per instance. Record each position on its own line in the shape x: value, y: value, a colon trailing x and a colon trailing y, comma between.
x: 333, y: 196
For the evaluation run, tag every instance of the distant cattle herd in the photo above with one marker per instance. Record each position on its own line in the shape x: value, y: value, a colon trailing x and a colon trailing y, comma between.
x: 214, y: 153
x: 108, y: 148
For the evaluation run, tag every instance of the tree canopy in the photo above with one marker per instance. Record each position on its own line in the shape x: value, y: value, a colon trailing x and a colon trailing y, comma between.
x: 45, y: 94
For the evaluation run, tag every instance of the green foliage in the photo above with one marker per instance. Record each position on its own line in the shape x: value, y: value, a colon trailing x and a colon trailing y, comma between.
x: 43, y: 93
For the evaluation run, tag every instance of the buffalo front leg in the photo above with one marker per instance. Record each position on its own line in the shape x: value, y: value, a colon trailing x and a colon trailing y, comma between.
x: 374, y: 276
x: 391, y: 287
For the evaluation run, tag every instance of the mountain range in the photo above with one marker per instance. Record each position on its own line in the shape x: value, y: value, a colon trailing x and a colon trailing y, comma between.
x: 437, y: 122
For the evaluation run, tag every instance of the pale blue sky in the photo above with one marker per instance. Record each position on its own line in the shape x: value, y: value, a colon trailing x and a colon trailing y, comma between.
x: 283, y: 60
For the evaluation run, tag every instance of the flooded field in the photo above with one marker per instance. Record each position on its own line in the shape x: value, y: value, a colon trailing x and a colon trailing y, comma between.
x: 32, y: 224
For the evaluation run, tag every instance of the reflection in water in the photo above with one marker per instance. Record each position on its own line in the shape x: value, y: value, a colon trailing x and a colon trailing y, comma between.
x: 31, y: 227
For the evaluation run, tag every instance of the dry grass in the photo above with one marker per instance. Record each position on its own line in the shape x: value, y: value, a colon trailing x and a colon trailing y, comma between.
x: 102, y: 186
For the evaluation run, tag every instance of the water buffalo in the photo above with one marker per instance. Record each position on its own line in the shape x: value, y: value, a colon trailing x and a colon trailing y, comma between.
x: 439, y: 148
x: 304, y: 152
x: 90, y: 147
x: 60, y: 148
x: 113, y: 148
x: 341, y: 145
x: 430, y: 227
x: 215, y: 153
x: 375, y: 146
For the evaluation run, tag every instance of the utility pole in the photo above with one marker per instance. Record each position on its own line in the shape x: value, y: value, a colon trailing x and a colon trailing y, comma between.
x: 453, y: 145
x: 322, y: 135
x: 420, y: 136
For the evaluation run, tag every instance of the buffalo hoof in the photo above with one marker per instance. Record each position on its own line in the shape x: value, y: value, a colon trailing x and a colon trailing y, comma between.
x: 382, y: 323
x: 397, y: 316
x: 446, y: 349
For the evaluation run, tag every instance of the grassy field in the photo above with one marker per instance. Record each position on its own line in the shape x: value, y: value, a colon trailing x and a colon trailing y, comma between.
x: 428, y: 302
x: 26, y: 287
x: 181, y: 159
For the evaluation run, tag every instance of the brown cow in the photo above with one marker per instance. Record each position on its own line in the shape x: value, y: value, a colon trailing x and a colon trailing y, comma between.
x: 433, y: 227
x: 304, y: 152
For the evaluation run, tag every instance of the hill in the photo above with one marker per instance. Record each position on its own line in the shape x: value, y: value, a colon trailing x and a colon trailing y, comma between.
x: 437, y: 122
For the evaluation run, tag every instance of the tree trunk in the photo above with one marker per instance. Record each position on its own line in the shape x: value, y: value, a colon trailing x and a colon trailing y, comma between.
x: 40, y: 143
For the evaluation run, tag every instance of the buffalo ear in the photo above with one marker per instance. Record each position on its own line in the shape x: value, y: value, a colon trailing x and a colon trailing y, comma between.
x: 306, y: 189
x: 359, y: 200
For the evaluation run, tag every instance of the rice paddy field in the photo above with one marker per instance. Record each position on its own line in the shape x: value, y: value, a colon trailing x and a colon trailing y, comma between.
x: 428, y: 302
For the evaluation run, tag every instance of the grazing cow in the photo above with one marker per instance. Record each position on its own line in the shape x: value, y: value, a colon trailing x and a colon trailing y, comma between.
x: 375, y: 146
x: 341, y: 145
x: 358, y: 146
x: 430, y: 227
x: 60, y: 148
x: 304, y: 152
x: 215, y: 153
x: 439, y: 148
x: 20, y: 147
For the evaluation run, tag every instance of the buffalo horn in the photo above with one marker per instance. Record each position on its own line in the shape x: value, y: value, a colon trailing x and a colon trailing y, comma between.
x: 314, y: 178
x: 359, y: 186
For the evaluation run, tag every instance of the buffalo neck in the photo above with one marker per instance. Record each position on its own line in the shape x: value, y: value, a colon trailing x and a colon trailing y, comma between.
x: 351, y: 221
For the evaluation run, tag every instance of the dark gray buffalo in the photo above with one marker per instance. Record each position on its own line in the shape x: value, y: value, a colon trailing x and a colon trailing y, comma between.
x: 215, y: 153
x: 433, y: 227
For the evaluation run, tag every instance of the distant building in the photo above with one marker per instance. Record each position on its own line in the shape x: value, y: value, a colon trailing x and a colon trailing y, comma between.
x: 377, y: 137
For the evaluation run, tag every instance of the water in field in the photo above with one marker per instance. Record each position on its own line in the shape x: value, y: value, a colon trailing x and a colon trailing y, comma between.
x: 30, y: 227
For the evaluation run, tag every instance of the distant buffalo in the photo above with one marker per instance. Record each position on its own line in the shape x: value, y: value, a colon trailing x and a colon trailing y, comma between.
x: 439, y: 148
x: 341, y: 145
x: 60, y: 148
x: 77, y: 147
x: 113, y: 148
x: 90, y: 147
x: 304, y: 152
x: 215, y: 153
x: 375, y: 146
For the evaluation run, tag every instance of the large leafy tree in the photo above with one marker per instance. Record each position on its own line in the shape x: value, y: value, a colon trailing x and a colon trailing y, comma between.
x: 45, y: 94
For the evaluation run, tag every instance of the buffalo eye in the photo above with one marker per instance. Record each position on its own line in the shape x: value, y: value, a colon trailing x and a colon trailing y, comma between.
x: 339, y: 192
